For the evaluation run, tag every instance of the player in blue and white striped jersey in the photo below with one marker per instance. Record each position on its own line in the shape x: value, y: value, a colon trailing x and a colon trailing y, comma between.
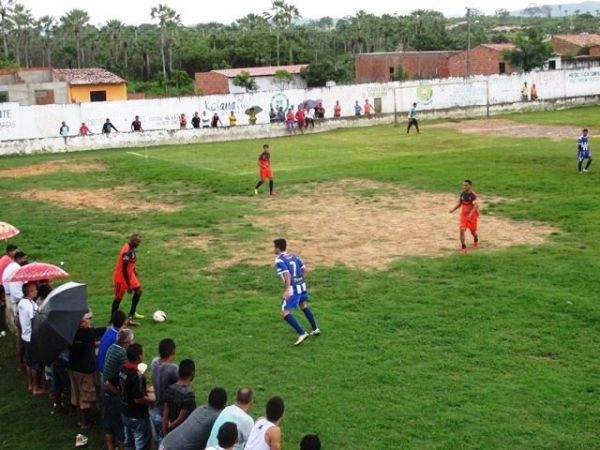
x: 583, y: 151
x: 292, y: 271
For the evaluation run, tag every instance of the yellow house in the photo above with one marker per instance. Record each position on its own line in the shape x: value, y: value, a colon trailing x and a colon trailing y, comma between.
x: 92, y: 85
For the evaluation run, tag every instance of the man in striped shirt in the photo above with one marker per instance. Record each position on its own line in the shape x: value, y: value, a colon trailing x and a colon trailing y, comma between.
x: 292, y: 271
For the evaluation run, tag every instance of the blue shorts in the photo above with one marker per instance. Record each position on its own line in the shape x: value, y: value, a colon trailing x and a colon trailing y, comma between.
x: 584, y: 155
x: 111, y: 415
x: 290, y: 125
x: 294, y: 301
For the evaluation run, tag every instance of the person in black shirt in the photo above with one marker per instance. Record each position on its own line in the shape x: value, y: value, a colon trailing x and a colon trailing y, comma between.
x: 136, y: 125
x: 107, y: 127
x: 82, y: 365
x: 196, y: 120
x: 135, y: 399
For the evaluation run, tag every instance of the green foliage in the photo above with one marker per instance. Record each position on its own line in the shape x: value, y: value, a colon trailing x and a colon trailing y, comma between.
x: 282, y: 79
x: 7, y: 63
x: 400, y: 74
x: 531, y: 50
x: 246, y: 81
x: 490, y: 350
x: 319, y: 73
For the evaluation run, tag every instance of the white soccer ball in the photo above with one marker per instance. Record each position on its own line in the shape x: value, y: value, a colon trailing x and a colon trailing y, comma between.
x: 159, y: 316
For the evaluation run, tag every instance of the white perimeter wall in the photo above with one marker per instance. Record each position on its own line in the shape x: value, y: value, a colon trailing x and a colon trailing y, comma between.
x: 435, y: 98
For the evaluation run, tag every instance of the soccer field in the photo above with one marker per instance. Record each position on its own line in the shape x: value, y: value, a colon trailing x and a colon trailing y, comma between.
x: 422, y: 347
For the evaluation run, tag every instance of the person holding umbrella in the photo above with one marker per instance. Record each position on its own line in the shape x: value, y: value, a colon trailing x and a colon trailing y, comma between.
x: 125, y: 278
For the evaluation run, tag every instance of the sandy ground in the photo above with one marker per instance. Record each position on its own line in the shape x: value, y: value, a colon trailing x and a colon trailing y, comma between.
x: 505, y: 127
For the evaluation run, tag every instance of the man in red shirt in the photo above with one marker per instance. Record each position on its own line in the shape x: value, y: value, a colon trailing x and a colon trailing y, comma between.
x: 125, y: 277
x: 300, y: 116
x: 264, y: 162
x: 469, y: 213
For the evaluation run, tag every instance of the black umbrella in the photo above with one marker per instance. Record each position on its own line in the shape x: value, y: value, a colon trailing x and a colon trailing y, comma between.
x: 55, y: 324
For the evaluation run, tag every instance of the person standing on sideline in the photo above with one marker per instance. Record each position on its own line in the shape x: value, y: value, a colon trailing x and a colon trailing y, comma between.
x: 310, y: 442
x: 337, y: 109
x: 357, y: 109
x: 205, y: 120
x: 135, y: 401
x: 232, y: 119
x: 64, y: 129
x: 583, y: 151
x: 412, y: 119
x: 264, y: 162
x: 534, y: 94
x: 238, y: 414
x: 525, y: 92
x: 179, y: 399
x: 469, y: 213
x: 215, y: 121
x: 290, y: 118
x: 164, y: 373
x: 107, y: 127
x: 196, y: 120
x: 367, y: 108
x: 136, y: 125
x: 292, y: 271
x: 125, y: 278
x: 182, y: 122
x: 266, y: 433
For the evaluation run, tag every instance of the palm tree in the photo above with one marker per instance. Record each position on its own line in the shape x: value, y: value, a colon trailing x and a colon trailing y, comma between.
x: 75, y: 21
x: 252, y: 22
x: 166, y: 17
x: 23, y: 21
x: 6, y: 10
x: 282, y: 15
x: 114, y: 29
x: 47, y: 25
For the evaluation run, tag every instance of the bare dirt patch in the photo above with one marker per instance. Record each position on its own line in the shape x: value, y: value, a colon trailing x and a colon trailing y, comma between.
x: 105, y: 199
x: 506, y: 127
x: 364, y: 224
x: 50, y: 167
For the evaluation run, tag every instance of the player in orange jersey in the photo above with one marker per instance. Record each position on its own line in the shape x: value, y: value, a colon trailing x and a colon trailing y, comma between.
x: 264, y: 162
x: 469, y: 213
x: 125, y: 277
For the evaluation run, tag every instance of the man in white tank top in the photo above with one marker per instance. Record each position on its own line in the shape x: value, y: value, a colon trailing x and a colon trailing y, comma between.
x: 266, y: 433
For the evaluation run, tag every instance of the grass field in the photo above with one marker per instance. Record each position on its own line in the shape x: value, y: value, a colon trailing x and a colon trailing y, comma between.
x: 492, y: 350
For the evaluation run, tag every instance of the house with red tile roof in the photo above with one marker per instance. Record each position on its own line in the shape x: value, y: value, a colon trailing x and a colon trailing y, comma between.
x: 573, y: 44
x: 92, y: 85
x: 221, y: 81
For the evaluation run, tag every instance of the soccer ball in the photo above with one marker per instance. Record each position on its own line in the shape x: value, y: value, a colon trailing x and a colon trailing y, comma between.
x: 159, y: 316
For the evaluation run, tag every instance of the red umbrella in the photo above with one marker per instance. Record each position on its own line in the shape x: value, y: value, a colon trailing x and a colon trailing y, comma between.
x: 7, y: 230
x: 37, y: 271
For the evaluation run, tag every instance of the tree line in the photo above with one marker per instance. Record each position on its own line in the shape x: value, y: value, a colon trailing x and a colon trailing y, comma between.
x: 163, y: 54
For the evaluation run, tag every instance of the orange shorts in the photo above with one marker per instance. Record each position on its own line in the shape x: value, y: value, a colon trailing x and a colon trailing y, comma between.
x: 469, y: 224
x: 120, y: 288
x: 266, y: 173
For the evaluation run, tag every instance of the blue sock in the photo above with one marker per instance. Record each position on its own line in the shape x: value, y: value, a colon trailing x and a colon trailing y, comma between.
x: 309, y: 315
x: 294, y: 324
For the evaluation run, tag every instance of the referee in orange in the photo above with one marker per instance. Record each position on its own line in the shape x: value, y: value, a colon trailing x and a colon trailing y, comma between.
x: 125, y: 277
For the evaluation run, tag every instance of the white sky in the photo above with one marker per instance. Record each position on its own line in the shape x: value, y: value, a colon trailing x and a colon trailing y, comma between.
x: 135, y: 12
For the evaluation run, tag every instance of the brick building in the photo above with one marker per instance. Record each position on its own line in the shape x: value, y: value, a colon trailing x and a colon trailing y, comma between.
x: 485, y: 59
x: 221, y: 81
x: 379, y: 67
x: 572, y: 44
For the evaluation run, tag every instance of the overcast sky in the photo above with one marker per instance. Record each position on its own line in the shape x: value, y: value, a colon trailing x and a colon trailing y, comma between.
x: 135, y: 12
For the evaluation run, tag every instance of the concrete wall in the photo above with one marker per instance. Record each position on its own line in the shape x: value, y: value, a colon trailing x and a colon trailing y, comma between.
x: 450, y: 96
x: 24, y: 94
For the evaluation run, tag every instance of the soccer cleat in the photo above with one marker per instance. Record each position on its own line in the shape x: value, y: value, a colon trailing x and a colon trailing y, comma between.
x: 273, y: 193
x: 301, y: 338
x: 463, y: 250
x: 255, y: 191
x: 136, y: 316
x: 585, y: 170
x: 315, y: 332
x: 476, y: 244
